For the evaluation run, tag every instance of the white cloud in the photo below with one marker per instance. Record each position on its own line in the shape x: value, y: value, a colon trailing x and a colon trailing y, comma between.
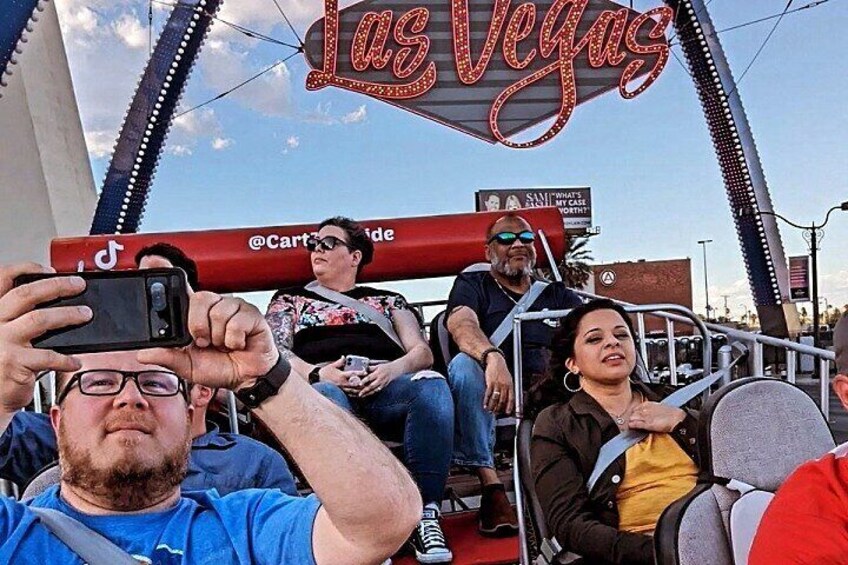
x: 130, y: 31
x: 179, y: 150
x: 355, y: 117
x: 100, y: 143
x: 226, y: 64
x: 220, y: 143
x: 197, y: 123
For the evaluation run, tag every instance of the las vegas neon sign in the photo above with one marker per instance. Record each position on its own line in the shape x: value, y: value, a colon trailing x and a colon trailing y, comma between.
x: 399, y: 56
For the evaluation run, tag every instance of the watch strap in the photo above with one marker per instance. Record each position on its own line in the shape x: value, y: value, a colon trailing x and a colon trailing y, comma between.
x: 267, y: 385
x: 315, y: 375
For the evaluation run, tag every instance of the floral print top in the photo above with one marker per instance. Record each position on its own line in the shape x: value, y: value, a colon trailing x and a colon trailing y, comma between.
x: 320, y: 331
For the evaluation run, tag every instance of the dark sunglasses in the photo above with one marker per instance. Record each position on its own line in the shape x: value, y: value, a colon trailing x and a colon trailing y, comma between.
x: 327, y: 243
x: 508, y: 237
x: 109, y: 382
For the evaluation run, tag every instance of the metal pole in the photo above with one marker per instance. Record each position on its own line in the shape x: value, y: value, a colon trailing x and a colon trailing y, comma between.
x: 703, y: 244
x: 233, y: 412
x: 814, y: 252
x: 791, y: 365
x: 824, y: 390
x: 725, y: 357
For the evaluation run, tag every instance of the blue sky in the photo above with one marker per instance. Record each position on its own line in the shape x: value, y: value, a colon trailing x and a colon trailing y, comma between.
x: 277, y: 154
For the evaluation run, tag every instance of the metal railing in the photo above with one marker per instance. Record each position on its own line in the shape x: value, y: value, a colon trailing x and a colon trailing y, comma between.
x: 754, y: 342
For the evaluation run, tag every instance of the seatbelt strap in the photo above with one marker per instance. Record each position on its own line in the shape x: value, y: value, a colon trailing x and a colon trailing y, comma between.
x: 505, y: 327
x: 368, y: 312
x: 92, y: 547
x: 612, y: 450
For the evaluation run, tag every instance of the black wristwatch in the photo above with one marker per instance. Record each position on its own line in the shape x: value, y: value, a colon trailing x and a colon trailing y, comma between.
x: 315, y: 375
x: 266, y: 386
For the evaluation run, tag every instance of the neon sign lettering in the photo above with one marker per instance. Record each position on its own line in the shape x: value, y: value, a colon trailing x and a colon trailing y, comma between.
x: 541, y: 42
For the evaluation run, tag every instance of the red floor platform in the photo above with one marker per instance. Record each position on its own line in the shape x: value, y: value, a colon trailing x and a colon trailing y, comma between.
x: 468, y: 546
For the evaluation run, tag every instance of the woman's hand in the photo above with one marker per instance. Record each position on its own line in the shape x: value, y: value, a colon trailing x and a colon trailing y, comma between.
x: 332, y: 373
x: 378, y: 377
x: 655, y: 417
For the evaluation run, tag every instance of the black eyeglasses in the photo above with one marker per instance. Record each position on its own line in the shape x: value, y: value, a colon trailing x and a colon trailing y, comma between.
x: 327, y: 243
x: 508, y: 237
x: 109, y: 382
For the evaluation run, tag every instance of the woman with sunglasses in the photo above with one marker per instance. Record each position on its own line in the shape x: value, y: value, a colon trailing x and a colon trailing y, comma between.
x: 593, y: 362
x: 395, y: 394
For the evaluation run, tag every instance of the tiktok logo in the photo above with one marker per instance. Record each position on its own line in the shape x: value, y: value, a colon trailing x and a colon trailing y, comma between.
x: 107, y: 259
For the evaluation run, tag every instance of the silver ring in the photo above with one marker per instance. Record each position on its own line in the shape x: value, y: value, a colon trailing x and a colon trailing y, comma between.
x: 496, y: 393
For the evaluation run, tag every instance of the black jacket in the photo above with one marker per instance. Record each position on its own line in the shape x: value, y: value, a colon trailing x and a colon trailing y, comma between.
x: 566, y: 440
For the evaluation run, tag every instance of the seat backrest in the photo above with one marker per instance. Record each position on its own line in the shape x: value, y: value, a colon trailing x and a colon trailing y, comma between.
x: 753, y: 433
x: 42, y: 481
x: 440, y: 343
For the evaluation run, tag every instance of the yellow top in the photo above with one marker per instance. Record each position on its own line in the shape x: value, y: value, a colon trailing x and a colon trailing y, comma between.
x: 658, y: 472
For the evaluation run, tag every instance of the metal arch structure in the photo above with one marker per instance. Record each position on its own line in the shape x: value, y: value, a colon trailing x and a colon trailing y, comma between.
x: 18, y: 19
x: 744, y: 180
x: 145, y: 129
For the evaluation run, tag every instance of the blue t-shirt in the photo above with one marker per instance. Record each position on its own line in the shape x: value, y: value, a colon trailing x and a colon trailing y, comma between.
x: 225, y: 462
x: 250, y: 526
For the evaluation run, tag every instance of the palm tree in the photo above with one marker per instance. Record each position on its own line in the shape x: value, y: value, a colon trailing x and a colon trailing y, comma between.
x: 576, y: 268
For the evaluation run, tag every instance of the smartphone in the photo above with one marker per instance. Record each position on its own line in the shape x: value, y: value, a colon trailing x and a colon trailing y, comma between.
x: 131, y: 310
x: 356, y: 363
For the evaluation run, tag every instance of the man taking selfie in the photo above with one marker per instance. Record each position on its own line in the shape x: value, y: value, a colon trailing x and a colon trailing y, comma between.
x: 123, y: 426
x: 223, y: 461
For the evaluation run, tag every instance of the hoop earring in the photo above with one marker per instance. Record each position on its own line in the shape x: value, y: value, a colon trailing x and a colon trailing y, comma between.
x: 572, y: 390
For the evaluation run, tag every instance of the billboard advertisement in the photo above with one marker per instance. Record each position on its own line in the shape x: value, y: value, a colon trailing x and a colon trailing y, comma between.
x: 799, y: 278
x: 574, y: 203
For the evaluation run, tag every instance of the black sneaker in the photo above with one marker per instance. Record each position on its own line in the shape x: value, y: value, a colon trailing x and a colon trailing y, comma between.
x: 428, y: 540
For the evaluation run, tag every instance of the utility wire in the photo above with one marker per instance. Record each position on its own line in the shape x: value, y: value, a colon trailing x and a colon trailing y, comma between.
x: 753, y: 22
x: 291, y: 27
x: 238, y: 86
x: 760, y: 50
x: 150, y: 28
x: 239, y: 28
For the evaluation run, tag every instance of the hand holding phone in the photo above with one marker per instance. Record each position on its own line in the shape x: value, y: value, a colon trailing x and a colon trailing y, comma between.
x: 131, y: 310
x: 20, y: 363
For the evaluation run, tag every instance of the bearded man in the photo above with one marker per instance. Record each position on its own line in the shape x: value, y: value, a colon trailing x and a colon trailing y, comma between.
x: 123, y: 425
x: 479, y: 375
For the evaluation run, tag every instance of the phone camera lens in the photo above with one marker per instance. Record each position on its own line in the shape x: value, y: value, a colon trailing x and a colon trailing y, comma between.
x: 158, y: 297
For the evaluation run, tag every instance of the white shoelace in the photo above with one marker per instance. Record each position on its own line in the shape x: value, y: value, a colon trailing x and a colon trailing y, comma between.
x: 431, y: 535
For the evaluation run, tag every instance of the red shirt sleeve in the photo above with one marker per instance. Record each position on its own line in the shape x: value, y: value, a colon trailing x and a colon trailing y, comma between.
x: 807, y: 521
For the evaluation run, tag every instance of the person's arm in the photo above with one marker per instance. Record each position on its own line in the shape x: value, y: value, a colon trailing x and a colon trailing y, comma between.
x: 369, y: 510
x: 464, y: 327
x: 27, y: 446
x: 280, y: 317
x: 565, y: 501
x: 417, y: 357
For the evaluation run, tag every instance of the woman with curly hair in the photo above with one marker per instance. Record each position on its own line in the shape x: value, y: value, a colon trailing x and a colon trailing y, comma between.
x: 594, y: 357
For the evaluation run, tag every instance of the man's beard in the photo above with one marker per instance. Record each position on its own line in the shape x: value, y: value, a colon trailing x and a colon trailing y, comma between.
x: 502, y: 266
x: 128, y: 484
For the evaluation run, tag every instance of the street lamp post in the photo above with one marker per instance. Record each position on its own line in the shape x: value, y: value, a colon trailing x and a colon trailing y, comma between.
x: 813, y: 234
x: 704, y: 243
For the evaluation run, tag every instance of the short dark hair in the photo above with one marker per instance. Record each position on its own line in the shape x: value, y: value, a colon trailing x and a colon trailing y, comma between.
x: 177, y: 258
x: 506, y: 216
x: 357, y: 237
